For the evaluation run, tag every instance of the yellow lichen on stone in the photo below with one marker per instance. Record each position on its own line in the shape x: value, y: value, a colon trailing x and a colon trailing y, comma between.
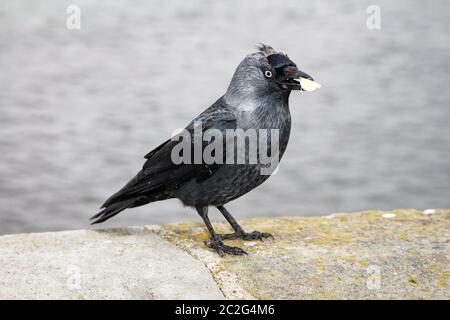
x: 403, y: 235
x: 357, y: 255
x: 412, y: 281
x: 363, y: 263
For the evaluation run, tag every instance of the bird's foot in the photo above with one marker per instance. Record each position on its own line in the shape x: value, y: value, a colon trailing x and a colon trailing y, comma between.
x: 255, y: 235
x: 222, y: 248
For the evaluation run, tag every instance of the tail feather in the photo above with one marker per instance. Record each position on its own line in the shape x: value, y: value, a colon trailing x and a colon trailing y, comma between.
x: 111, y: 210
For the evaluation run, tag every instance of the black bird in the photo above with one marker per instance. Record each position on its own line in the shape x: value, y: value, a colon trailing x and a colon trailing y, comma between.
x: 257, y: 98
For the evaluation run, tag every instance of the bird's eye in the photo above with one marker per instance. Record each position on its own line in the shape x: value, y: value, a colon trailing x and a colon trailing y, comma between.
x: 268, y: 74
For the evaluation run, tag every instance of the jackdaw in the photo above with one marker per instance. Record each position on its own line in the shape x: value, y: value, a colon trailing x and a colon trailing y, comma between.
x: 256, y: 99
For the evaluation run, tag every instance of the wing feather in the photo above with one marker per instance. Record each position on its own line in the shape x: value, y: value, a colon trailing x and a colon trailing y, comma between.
x: 159, y: 174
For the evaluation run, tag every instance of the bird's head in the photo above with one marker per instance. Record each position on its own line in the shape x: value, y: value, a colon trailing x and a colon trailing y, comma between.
x: 269, y: 71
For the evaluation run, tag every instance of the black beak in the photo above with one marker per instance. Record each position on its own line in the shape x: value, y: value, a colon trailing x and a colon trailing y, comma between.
x: 305, y: 83
x: 304, y: 75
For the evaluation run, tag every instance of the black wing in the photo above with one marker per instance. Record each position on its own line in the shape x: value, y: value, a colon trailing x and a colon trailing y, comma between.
x: 160, y: 174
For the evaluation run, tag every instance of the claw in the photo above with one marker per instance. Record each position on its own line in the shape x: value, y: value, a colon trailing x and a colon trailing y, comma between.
x: 222, y: 248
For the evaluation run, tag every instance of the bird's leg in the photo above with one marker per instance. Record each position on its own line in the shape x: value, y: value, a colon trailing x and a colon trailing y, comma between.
x: 239, y: 233
x: 215, y: 242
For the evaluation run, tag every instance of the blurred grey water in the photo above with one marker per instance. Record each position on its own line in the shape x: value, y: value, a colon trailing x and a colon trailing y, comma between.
x: 79, y: 109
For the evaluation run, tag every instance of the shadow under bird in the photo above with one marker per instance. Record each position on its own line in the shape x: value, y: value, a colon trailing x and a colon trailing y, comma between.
x: 257, y: 98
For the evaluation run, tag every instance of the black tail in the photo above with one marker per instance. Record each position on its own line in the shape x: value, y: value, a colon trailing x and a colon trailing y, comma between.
x: 113, y: 209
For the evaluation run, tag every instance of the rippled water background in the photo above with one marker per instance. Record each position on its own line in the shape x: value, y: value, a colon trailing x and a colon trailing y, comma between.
x: 79, y: 109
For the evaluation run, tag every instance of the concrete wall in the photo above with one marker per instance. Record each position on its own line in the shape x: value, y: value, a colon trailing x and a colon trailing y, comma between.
x: 373, y: 254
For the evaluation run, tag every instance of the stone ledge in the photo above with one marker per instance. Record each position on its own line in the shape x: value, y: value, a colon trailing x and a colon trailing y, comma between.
x: 129, y: 263
x: 401, y: 254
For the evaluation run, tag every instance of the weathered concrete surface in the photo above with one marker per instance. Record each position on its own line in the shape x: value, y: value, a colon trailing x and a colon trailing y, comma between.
x: 397, y: 254
x: 131, y: 263
x: 403, y: 254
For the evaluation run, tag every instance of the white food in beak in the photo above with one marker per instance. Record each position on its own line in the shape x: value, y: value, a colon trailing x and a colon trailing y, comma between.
x: 309, y: 85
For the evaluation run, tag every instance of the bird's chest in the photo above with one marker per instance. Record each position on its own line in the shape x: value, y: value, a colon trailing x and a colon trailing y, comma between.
x: 271, y: 124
